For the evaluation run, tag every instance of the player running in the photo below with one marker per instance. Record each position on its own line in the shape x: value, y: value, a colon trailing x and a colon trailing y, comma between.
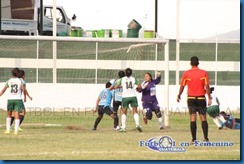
x: 15, y: 99
x: 117, y: 96
x: 103, y: 105
x: 149, y: 99
x: 23, y: 112
x: 129, y: 98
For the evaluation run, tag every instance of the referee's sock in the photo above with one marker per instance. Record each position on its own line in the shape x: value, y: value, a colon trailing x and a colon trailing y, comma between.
x: 193, y: 130
x: 205, y: 129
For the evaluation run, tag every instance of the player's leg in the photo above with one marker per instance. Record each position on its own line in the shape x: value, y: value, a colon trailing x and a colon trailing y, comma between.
x: 12, y: 120
x: 116, y: 105
x: 22, y: 115
x: 217, y: 123
x: 193, y: 118
x: 202, y: 113
x: 17, y: 110
x: 99, y: 117
x: 10, y: 107
x: 134, y: 105
x: 160, y: 117
x: 125, y: 105
x: 110, y: 113
x: 146, y: 111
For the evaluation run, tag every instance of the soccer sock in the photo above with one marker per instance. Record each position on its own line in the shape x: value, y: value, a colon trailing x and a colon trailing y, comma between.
x: 205, y: 129
x: 21, y: 117
x: 123, y: 121
x: 12, y: 120
x: 216, y: 121
x: 194, y: 131
x: 116, y: 121
x: 16, y: 127
x: 222, y: 118
x: 160, y: 121
x: 8, y: 122
x: 136, y: 118
x: 97, y: 122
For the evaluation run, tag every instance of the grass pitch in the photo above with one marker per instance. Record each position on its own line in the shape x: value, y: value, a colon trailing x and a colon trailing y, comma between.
x: 68, y: 135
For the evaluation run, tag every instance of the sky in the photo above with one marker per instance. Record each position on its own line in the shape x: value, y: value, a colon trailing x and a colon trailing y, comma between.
x: 198, y: 18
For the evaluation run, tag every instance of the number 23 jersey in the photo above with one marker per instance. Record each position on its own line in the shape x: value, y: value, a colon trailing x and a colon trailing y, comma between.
x: 128, y: 84
x: 15, y: 88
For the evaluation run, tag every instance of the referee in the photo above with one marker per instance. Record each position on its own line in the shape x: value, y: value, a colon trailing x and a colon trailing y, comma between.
x: 198, y: 85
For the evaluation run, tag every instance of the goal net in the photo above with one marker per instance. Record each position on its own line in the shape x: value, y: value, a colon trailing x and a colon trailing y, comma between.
x: 69, y: 67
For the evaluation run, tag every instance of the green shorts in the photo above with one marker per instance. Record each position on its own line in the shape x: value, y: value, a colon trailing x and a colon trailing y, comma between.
x: 132, y: 101
x: 15, y: 105
x: 213, y: 111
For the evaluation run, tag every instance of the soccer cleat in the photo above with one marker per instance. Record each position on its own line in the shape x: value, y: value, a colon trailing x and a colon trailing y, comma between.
x: 161, y: 128
x: 139, y: 128
x: 145, y: 120
x: 121, y: 130
x: 15, y: 133
x: 20, y: 129
x: 220, y: 128
x: 7, y: 132
x: 94, y: 129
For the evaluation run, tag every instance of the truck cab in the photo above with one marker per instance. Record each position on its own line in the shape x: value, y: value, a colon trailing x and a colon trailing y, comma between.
x: 63, y: 22
x: 25, y: 19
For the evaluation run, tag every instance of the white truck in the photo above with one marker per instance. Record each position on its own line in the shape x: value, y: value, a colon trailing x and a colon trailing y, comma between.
x: 22, y: 17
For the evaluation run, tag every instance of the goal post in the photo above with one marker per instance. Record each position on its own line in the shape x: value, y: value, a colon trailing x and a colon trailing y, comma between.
x: 74, y: 60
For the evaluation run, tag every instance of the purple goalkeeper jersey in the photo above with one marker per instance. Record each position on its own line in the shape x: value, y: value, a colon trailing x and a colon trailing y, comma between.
x: 149, y: 90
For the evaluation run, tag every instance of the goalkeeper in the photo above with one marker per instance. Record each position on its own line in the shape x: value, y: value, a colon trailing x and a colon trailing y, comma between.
x: 103, y: 105
x: 149, y: 99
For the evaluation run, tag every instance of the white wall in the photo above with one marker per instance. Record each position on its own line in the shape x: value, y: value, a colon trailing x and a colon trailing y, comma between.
x: 83, y: 96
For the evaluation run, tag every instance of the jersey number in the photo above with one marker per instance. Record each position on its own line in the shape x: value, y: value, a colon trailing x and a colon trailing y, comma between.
x: 14, y: 88
x: 129, y: 85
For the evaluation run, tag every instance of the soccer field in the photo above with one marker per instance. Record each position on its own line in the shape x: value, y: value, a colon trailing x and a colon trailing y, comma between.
x: 68, y: 135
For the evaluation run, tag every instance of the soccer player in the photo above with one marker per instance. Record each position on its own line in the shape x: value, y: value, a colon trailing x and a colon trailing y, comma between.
x: 23, y: 112
x: 230, y: 121
x: 103, y: 105
x: 117, y: 96
x: 198, y: 85
x: 213, y: 110
x: 149, y: 99
x: 128, y: 84
x: 15, y: 99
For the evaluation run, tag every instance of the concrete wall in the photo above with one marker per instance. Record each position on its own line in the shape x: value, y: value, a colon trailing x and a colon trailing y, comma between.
x: 83, y: 97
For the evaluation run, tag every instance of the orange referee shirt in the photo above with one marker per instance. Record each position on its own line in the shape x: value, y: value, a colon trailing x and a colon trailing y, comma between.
x: 195, y: 79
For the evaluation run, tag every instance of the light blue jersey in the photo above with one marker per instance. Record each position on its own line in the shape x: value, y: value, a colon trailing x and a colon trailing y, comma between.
x: 117, y: 92
x: 105, y: 97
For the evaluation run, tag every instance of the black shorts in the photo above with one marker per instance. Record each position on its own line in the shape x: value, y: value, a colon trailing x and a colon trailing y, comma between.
x: 197, y: 104
x: 116, y: 105
x: 107, y: 110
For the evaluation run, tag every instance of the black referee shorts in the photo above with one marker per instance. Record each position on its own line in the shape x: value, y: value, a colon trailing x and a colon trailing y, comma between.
x: 197, y: 104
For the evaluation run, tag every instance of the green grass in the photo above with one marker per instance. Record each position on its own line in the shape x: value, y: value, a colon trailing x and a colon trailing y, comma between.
x: 38, y: 141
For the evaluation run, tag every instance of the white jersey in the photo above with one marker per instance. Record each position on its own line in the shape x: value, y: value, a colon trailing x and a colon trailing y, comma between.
x: 15, y: 88
x: 215, y: 100
x: 128, y: 86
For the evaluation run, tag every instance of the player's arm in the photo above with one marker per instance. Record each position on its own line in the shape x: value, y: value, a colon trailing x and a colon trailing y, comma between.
x: 180, y: 92
x: 24, y: 91
x: 97, y: 102
x: 27, y: 94
x: 118, y: 84
x: 208, y: 89
x: 208, y: 94
x: 3, y: 90
x: 182, y: 86
x: 158, y: 79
